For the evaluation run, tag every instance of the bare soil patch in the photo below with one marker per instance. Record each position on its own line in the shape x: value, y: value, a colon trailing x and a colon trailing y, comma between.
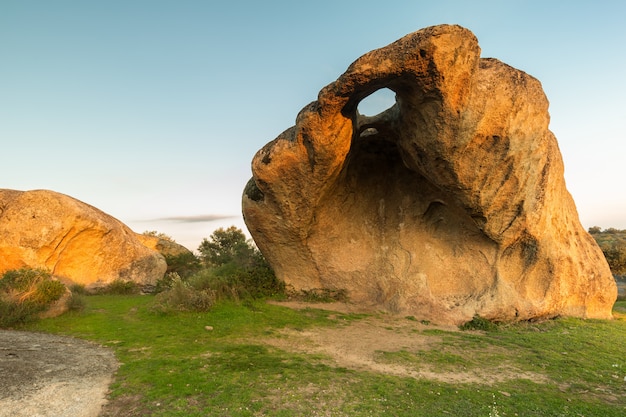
x: 357, y: 345
x: 46, y: 375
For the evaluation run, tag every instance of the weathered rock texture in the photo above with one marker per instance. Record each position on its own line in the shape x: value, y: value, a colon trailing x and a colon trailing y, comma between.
x: 72, y: 240
x: 449, y: 204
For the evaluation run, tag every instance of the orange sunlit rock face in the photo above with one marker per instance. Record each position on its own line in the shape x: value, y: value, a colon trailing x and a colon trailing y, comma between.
x: 72, y: 240
x: 450, y: 203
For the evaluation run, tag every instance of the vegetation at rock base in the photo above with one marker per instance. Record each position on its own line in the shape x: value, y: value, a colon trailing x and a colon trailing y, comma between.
x: 260, y: 359
x: 208, y: 344
x: 25, y: 293
x: 182, y: 296
x: 479, y: 323
x: 229, y: 267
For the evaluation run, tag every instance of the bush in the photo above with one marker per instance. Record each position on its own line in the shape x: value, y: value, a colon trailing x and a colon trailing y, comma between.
x: 76, y: 302
x: 48, y: 291
x: 32, y: 285
x: 228, y: 282
x: 182, y: 297
x: 234, y: 269
x: 119, y: 287
x: 253, y: 282
x: 78, y: 289
x: 260, y: 281
x: 479, y: 323
x: 24, y: 293
x: 14, y: 313
x: 223, y: 285
x: 232, y: 282
x: 165, y: 283
x: 183, y: 264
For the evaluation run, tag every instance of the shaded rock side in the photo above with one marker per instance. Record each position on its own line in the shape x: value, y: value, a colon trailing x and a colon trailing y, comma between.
x: 72, y: 240
x: 450, y: 203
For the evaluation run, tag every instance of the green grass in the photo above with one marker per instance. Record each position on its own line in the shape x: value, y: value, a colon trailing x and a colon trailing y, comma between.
x: 173, y: 366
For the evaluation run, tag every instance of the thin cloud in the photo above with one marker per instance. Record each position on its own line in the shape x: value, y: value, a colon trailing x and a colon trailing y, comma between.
x: 197, y: 219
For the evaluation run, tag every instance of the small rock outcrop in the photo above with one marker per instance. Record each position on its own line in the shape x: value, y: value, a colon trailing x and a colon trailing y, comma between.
x: 449, y: 204
x: 72, y: 240
x: 164, y: 246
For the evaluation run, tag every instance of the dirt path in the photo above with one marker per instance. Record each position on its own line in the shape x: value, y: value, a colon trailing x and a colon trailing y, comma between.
x: 45, y: 375
x: 358, y: 344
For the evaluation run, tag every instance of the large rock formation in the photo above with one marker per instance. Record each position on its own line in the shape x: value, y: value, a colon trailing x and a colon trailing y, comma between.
x: 72, y: 240
x: 449, y: 204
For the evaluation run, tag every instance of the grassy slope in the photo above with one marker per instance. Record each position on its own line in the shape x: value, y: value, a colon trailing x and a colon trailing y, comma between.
x: 173, y: 366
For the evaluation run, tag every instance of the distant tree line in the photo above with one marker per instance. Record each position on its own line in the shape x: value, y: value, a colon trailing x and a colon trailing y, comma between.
x: 613, y: 244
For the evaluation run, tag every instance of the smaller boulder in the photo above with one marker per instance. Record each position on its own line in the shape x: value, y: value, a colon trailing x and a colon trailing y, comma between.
x: 73, y: 240
x: 163, y: 246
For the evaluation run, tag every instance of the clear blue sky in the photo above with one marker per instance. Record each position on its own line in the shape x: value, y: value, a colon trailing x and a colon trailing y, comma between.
x: 152, y: 110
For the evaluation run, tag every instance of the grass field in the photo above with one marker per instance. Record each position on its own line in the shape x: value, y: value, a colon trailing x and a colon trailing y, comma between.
x: 260, y: 359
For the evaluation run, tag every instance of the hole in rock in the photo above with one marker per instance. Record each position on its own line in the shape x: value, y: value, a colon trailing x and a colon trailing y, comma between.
x: 377, y: 102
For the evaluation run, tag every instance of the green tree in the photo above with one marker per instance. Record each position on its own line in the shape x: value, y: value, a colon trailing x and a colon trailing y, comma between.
x: 184, y: 264
x: 595, y: 230
x: 226, y: 246
x: 233, y: 268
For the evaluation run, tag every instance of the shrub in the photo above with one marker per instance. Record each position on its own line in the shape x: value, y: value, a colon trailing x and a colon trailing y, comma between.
x: 228, y: 282
x: 48, y: 291
x: 223, y: 285
x: 14, y: 313
x: 252, y: 282
x: 184, y: 264
x: 119, y: 287
x: 182, y: 297
x: 78, y: 289
x: 260, y: 281
x: 33, y: 285
x: 24, y: 293
x: 234, y: 269
x: 232, y: 282
x: 76, y: 302
x: 165, y: 283
x: 479, y: 323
